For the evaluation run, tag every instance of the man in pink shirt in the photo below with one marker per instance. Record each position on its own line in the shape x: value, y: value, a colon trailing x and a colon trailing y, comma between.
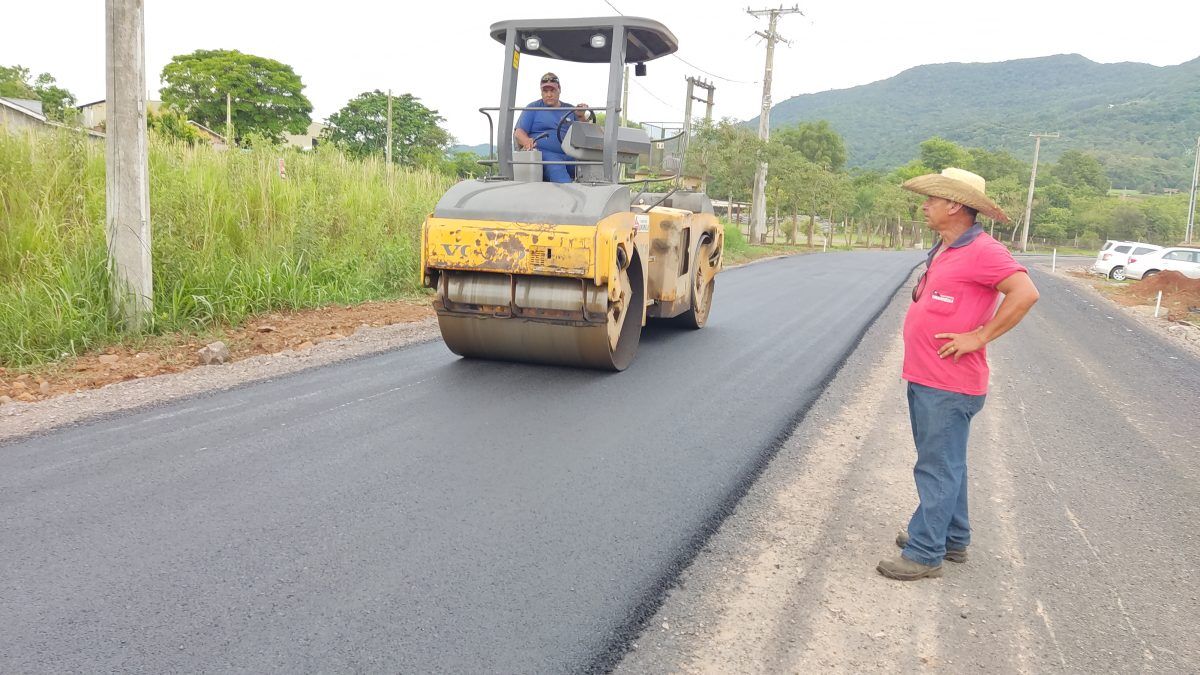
x: 952, y: 318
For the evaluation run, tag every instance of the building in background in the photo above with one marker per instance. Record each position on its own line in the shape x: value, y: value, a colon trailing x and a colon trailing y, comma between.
x: 19, y: 113
x: 307, y: 140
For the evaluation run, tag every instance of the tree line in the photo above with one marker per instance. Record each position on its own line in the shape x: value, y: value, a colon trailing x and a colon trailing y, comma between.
x: 808, y: 181
x: 266, y: 100
x: 808, y: 177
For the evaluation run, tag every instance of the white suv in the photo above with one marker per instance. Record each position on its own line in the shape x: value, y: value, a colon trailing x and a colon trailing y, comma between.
x: 1114, y: 257
x: 1186, y: 261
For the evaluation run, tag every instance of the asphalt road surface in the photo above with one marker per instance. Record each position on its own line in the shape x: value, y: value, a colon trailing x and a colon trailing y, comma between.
x: 413, y: 511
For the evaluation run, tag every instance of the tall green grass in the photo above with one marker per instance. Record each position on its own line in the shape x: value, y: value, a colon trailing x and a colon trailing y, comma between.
x: 230, y: 237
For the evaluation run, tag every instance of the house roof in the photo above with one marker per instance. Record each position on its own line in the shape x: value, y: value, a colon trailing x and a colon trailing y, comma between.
x: 10, y: 103
x: 206, y: 130
x: 31, y: 103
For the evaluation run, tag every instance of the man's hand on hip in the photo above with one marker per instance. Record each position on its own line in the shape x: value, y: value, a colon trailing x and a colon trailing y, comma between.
x: 960, y: 343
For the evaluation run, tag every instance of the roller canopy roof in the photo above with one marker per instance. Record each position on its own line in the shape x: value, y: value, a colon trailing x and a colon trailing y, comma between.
x: 569, y: 39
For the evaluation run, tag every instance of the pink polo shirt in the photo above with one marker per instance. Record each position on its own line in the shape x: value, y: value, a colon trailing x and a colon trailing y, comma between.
x: 957, y: 295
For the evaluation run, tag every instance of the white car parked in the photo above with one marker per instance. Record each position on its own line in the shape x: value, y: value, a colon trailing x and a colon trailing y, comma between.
x: 1114, y: 256
x: 1186, y: 261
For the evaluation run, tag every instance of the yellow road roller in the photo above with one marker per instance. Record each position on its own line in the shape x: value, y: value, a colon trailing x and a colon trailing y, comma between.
x: 569, y: 273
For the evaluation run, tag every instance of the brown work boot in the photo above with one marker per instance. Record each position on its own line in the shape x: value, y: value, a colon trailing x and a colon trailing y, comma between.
x: 907, y: 570
x: 954, y: 555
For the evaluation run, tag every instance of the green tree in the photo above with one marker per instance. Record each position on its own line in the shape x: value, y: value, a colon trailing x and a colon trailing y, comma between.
x: 466, y: 165
x: 361, y: 128
x: 815, y: 141
x: 172, y: 125
x: 267, y: 96
x: 1081, y: 172
x: 939, y: 153
x: 14, y: 82
x: 1128, y: 222
x: 726, y: 154
x: 57, y: 103
x: 911, y: 170
x: 994, y: 166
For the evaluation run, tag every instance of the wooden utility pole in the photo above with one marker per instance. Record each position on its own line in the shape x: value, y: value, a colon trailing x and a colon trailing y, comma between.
x: 127, y: 181
x: 388, y: 152
x: 1037, y: 146
x: 1190, y: 231
x: 758, y: 208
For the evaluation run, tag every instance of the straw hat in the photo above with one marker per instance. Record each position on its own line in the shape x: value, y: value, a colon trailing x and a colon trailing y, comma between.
x: 957, y: 185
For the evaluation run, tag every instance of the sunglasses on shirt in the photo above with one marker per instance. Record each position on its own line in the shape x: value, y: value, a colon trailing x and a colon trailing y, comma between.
x: 920, y: 287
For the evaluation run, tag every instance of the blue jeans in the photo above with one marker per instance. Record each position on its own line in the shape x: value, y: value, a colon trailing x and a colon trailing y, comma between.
x: 557, y: 173
x: 941, y: 422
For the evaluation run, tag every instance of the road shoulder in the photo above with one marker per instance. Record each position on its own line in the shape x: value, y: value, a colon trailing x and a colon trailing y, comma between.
x: 788, y: 582
x: 1184, y: 335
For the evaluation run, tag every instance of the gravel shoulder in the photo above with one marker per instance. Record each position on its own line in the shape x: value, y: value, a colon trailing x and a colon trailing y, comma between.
x: 1055, y: 583
x: 18, y: 420
x: 1088, y: 286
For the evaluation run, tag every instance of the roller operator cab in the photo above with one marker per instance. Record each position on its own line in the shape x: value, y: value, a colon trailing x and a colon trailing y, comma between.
x: 569, y: 273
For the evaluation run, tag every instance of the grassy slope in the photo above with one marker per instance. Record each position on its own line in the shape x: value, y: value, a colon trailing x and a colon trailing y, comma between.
x: 230, y: 238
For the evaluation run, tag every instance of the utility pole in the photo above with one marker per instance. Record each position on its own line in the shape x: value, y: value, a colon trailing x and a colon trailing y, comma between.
x: 625, y: 98
x: 1037, y: 146
x: 687, y: 107
x: 127, y: 181
x: 228, y: 120
x: 1191, y: 222
x: 758, y: 209
x: 388, y: 152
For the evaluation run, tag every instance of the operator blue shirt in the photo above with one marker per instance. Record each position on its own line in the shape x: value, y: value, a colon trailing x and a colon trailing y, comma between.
x: 544, y: 123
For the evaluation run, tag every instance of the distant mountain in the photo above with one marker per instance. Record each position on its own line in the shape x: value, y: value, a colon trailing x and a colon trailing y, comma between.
x: 1140, y: 120
x: 481, y: 150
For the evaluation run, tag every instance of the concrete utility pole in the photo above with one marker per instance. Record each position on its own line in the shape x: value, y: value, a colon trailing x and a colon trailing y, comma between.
x: 1191, y: 222
x: 127, y: 182
x: 388, y: 152
x: 625, y: 98
x: 228, y: 120
x: 687, y: 107
x: 1037, y: 146
x: 758, y: 209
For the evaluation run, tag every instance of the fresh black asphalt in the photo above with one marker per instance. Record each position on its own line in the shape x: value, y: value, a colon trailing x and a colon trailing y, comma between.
x: 412, y: 511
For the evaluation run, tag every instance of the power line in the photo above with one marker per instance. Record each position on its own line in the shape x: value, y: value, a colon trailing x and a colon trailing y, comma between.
x: 655, y: 97
x: 686, y: 62
x: 689, y: 63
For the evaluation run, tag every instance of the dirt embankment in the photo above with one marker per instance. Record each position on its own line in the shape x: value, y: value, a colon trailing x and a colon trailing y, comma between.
x: 266, y: 334
x: 1180, y: 295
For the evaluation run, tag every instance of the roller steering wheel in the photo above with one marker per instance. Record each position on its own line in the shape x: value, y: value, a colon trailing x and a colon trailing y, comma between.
x: 560, y: 132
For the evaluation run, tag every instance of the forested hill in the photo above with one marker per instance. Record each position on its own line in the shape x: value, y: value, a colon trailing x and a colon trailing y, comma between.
x: 1140, y: 120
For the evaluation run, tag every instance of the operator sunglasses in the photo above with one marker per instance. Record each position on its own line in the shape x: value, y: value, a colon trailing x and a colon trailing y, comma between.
x: 549, y: 79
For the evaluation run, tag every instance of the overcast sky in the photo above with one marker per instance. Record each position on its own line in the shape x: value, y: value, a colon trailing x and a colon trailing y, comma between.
x: 441, y: 51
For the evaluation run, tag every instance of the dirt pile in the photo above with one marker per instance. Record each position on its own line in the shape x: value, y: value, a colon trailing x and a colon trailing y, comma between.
x: 1180, y: 295
x: 265, y: 334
